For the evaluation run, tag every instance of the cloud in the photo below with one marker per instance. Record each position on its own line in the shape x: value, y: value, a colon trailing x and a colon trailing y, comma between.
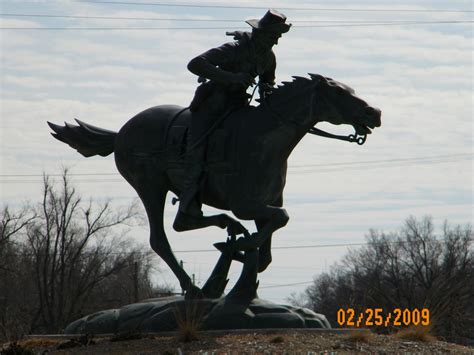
x: 420, y: 76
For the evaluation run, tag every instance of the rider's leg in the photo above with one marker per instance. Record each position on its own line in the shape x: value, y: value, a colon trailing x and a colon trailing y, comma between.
x: 189, y: 200
x: 190, y: 204
x: 203, y: 117
x: 189, y: 215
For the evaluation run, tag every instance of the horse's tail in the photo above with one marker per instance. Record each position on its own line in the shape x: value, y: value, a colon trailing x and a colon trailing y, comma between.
x: 85, y: 138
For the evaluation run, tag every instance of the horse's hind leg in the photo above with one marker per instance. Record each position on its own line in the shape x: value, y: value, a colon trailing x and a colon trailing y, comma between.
x: 153, y: 198
x: 184, y: 223
x: 271, y: 218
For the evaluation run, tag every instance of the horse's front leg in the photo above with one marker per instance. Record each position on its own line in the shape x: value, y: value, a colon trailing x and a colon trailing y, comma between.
x: 265, y: 251
x: 269, y: 219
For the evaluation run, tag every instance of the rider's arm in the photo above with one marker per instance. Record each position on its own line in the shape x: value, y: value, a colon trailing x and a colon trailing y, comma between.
x: 267, y: 79
x: 209, y: 65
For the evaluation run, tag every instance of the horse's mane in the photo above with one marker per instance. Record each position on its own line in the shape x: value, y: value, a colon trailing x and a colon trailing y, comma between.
x: 287, y: 89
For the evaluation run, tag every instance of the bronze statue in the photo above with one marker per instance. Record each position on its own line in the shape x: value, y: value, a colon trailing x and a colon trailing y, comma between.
x: 240, y: 150
x: 245, y: 162
x: 225, y: 74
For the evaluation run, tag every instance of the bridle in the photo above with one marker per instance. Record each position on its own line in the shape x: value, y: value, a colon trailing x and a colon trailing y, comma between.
x: 357, y: 138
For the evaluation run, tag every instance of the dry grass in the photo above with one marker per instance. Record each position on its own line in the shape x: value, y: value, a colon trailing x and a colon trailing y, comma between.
x: 85, y: 340
x: 189, y: 322
x: 256, y: 341
x: 39, y: 342
x: 15, y: 348
x: 416, y: 333
x: 359, y: 336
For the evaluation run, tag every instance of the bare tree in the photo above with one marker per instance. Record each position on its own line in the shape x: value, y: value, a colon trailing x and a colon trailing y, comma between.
x: 70, y: 252
x: 12, y: 313
x: 130, y: 284
x: 413, y: 268
x: 66, y: 258
x: 11, y: 224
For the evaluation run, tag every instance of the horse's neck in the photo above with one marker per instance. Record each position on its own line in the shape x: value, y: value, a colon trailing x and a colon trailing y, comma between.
x: 282, y: 138
x: 293, y: 107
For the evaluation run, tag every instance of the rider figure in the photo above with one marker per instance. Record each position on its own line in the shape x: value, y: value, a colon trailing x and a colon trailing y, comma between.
x: 225, y: 74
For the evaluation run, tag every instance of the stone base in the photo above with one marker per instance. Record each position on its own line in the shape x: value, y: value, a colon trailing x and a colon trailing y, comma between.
x: 166, y: 314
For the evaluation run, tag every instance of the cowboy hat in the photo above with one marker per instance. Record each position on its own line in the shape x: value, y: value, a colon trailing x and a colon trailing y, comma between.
x: 272, y: 21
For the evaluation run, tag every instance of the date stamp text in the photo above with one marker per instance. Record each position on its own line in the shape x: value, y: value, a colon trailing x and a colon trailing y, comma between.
x: 397, y: 317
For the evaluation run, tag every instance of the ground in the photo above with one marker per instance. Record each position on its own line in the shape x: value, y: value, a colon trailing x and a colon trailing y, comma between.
x: 240, y: 342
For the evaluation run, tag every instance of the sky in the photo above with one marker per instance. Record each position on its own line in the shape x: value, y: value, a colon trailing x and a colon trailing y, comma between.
x: 104, y: 71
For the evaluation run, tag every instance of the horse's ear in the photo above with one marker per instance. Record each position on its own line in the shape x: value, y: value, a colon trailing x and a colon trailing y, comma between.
x: 301, y: 78
x: 317, y: 77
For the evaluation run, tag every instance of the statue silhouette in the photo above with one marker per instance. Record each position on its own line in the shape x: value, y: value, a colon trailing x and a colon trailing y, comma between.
x: 245, y: 166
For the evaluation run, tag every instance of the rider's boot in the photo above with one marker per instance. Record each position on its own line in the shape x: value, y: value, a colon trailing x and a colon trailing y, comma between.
x: 190, y: 205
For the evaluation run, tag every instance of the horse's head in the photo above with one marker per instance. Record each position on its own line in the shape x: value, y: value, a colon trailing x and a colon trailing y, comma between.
x: 337, y: 103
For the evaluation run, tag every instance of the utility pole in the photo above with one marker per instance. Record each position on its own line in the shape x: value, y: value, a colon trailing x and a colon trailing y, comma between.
x: 181, y: 264
x: 135, y: 281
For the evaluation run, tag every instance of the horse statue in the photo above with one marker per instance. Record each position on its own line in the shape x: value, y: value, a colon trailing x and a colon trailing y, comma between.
x: 246, y: 165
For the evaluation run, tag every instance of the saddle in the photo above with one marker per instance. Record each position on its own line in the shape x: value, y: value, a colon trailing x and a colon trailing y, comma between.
x: 219, y: 141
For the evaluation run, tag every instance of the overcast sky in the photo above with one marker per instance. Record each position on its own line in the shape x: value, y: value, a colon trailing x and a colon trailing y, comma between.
x: 419, y: 162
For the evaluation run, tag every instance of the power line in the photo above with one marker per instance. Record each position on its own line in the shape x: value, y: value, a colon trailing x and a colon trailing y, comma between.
x: 417, y: 159
x: 265, y: 8
x: 311, y: 170
x: 226, y: 28
x: 289, y: 247
x: 119, y: 18
x: 59, y: 175
x: 213, y: 19
x: 110, y: 28
x: 376, y: 166
x: 38, y: 181
x: 400, y: 23
x: 312, y: 246
x: 435, y: 158
x: 303, y: 172
x: 149, y: 252
x: 285, y: 285
x: 283, y: 247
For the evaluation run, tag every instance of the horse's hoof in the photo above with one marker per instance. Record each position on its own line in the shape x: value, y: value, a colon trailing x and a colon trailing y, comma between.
x: 235, y: 228
x: 184, y: 222
x: 246, y: 243
x: 236, y: 255
x: 180, y: 222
